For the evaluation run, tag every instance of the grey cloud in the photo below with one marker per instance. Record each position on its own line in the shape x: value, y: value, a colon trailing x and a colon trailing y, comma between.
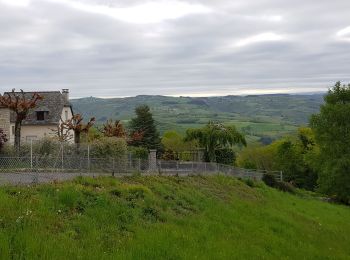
x: 51, y: 46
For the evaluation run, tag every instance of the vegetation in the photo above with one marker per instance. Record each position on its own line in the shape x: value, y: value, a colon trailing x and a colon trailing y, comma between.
x: 20, y: 104
x: 332, y: 132
x: 144, y: 125
x: 215, y: 136
x: 295, y: 156
x: 78, y: 126
x: 109, y: 147
x: 168, y: 218
x: 259, y: 117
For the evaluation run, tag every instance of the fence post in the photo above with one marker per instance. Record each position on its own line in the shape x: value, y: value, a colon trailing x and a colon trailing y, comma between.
x: 88, y: 150
x: 62, y: 147
x: 113, y: 165
x: 31, y: 154
x: 281, y: 175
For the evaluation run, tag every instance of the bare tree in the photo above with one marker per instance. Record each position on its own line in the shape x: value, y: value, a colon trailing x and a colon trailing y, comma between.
x: 78, y: 126
x: 62, y: 132
x: 21, y: 105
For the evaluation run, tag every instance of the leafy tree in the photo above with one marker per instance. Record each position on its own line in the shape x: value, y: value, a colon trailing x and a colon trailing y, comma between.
x: 113, y: 129
x: 332, y: 133
x: 296, y: 156
x: 3, y: 139
x: 21, y: 104
x: 215, y: 136
x: 143, y: 130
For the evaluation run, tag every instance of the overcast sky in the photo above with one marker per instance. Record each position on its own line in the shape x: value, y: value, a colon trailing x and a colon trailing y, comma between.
x: 115, y: 48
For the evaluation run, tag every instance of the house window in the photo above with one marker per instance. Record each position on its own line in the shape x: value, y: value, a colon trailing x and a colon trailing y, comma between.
x: 66, y: 115
x: 40, y: 115
x: 13, y: 130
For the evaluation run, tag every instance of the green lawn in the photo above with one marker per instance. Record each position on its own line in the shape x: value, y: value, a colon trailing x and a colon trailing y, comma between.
x: 168, y: 218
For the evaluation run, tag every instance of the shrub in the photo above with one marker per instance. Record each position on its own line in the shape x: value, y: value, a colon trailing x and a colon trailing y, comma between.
x: 249, y: 182
x: 225, y: 156
x: 285, y: 186
x: 109, y: 147
x: 139, y: 152
x: 269, y: 180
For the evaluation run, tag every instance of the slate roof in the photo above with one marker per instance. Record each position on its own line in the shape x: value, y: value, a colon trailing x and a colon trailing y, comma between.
x: 53, y: 103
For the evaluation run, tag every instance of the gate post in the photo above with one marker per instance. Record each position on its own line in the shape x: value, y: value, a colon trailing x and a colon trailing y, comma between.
x: 152, y: 160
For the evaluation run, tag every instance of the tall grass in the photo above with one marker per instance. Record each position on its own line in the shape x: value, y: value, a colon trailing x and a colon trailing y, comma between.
x: 168, y: 218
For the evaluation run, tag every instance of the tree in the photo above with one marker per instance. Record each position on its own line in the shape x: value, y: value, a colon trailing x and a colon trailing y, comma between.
x: 332, y: 133
x: 215, y: 136
x: 78, y: 126
x: 3, y: 139
x: 113, y: 129
x: 143, y: 130
x: 21, y: 104
x: 62, y: 132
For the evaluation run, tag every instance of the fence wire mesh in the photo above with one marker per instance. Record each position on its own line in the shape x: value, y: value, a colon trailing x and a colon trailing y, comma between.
x: 61, y: 162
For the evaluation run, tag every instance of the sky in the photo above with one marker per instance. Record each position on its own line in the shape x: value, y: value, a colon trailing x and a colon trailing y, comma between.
x: 106, y: 48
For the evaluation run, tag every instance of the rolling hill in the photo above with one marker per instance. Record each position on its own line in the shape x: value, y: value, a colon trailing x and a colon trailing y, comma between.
x: 256, y: 115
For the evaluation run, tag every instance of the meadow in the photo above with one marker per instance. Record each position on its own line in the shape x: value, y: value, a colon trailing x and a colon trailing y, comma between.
x: 157, y: 217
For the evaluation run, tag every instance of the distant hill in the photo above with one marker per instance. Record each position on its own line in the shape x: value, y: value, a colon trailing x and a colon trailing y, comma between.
x: 256, y: 115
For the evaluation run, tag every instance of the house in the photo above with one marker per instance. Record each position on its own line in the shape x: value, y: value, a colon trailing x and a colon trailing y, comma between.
x: 43, y: 120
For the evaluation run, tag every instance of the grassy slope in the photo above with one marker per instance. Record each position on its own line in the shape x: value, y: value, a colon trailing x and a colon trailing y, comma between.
x: 168, y: 218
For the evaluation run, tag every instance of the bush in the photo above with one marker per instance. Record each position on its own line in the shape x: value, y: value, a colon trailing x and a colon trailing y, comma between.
x: 109, y: 147
x: 249, y: 182
x: 269, y: 180
x: 225, y: 156
x: 285, y: 186
x: 139, y: 152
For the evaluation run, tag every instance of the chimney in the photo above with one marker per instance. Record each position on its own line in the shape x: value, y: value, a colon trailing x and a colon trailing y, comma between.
x: 65, y: 94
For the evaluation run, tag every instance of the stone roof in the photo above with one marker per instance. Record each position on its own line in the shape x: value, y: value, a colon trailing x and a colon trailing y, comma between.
x: 52, y: 104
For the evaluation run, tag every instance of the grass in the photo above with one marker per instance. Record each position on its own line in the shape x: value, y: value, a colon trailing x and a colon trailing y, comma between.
x: 168, y: 218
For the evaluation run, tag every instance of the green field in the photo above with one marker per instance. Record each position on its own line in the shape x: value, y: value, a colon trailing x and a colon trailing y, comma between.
x: 168, y: 218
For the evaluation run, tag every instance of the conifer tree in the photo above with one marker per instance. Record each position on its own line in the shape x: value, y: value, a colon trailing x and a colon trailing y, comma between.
x: 145, y: 126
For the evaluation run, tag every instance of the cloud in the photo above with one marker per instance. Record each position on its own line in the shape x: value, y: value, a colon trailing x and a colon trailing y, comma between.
x: 199, y: 47
x: 262, y: 37
x: 149, y: 12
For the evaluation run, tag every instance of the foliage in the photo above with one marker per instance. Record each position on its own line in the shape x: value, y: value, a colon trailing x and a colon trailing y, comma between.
x: 109, y: 147
x: 332, y: 132
x: 215, y: 136
x: 138, y: 152
x: 225, y: 156
x: 296, y: 156
x: 3, y: 139
x: 153, y: 217
x: 271, y: 181
x: 20, y: 104
x: 113, y: 129
x: 78, y: 126
x: 143, y: 124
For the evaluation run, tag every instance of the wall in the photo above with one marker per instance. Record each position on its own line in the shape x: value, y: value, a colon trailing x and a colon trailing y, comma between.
x: 5, y: 121
x: 37, y: 131
x: 66, y: 115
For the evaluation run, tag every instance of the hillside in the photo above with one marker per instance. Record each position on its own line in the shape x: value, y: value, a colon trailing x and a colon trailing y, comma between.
x: 168, y: 218
x: 256, y: 115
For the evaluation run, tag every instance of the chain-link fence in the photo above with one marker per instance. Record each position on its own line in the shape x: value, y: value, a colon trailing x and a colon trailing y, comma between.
x: 44, y: 162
